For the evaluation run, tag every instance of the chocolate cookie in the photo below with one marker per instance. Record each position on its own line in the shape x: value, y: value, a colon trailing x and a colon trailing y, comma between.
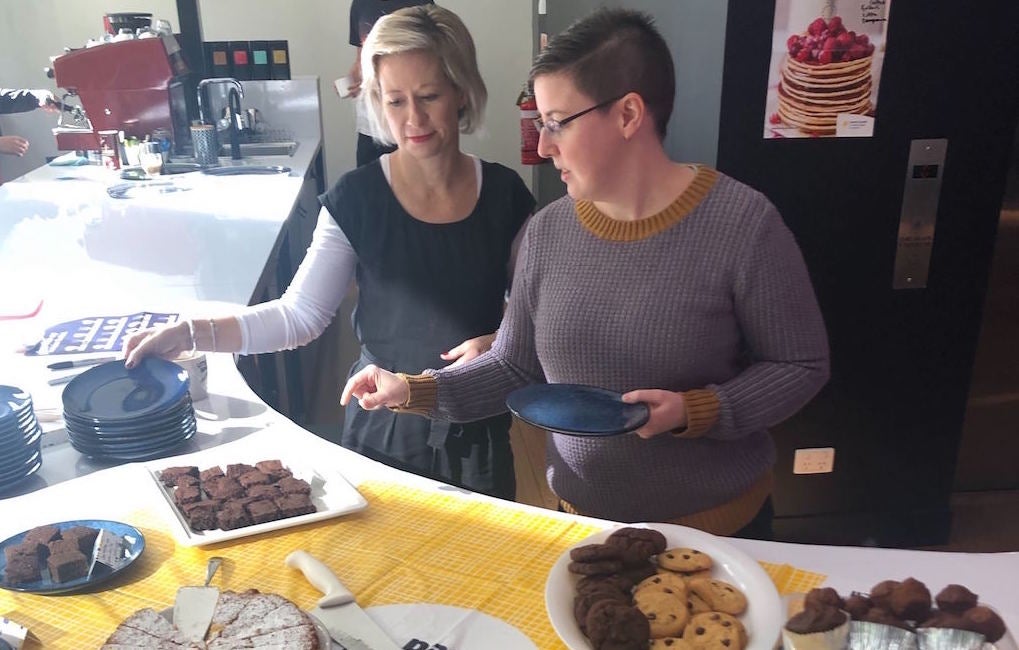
x: 620, y: 583
x: 596, y: 559
x: 583, y: 603
x: 638, y: 544
x: 613, y: 626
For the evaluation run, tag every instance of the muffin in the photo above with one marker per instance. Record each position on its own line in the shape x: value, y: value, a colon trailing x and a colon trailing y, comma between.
x: 816, y: 628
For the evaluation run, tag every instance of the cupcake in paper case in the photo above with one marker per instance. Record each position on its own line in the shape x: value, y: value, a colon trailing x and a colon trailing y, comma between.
x: 864, y: 635
x: 944, y: 638
x: 817, y: 628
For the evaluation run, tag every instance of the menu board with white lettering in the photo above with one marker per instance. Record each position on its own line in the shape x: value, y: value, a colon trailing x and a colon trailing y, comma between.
x: 825, y: 68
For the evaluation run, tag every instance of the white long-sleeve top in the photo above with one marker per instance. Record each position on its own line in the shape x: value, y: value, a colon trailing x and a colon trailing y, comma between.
x: 309, y: 304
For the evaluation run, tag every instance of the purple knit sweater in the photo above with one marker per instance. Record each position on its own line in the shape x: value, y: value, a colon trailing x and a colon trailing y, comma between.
x: 712, y: 293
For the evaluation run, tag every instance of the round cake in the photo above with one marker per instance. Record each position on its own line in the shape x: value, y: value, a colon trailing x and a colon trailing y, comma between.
x: 242, y: 620
x: 826, y: 72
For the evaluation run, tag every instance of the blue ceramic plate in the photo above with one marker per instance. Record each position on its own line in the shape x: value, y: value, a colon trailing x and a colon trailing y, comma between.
x: 14, y: 402
x: 576, y: 410
x: 162, y: 420
x: 134, y: 544
x: 111, y: 393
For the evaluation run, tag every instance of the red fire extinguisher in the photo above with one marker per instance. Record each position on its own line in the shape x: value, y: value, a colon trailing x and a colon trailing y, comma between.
x: 528, y: 132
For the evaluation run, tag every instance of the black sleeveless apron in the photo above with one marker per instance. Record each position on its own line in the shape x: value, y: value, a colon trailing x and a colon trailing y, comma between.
x: 423, y: 288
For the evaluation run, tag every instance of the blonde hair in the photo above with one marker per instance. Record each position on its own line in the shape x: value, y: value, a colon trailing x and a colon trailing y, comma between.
x: 425, y: 28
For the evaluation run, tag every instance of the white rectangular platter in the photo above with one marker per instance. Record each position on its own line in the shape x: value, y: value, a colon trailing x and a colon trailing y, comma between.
x: 331, y: 494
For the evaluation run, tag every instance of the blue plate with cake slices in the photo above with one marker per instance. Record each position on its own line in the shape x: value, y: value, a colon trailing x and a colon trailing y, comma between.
x: 63, y: 555
x: 577, y: 410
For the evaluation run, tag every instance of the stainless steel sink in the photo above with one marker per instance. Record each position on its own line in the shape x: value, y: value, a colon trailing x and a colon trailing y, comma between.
x: 261, y: 148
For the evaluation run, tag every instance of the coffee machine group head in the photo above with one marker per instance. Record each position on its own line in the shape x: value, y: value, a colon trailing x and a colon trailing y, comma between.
x: 133, y: 86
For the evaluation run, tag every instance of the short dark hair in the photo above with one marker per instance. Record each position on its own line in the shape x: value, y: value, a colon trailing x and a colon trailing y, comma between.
x: 610, y: 53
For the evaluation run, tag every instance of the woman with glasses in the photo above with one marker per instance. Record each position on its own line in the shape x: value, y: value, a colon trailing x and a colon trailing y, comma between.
x: 670, y: 283
x: 429, y: 233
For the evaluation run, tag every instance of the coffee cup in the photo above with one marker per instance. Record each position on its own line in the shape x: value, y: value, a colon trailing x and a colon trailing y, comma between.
x: 197, y: 367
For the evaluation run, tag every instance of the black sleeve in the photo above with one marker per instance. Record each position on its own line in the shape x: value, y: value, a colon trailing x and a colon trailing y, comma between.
x: 17, y: 101
x: 355, y: 19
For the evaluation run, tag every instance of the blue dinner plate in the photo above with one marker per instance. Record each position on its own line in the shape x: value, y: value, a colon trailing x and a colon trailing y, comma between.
x: 132, y: 453
x: 134, y: 544
x: 110, y: 392
x: 576, y: 410
x: 139, y: 425
x: 14, y: 402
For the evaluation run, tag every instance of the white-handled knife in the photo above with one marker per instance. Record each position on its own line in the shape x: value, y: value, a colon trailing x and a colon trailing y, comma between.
x: 347, y: 623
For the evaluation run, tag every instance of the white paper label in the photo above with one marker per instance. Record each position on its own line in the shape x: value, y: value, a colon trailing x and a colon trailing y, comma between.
x: 109, y: 550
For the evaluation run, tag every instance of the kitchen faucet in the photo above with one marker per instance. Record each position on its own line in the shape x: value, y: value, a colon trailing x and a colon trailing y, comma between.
x: 234, y: 95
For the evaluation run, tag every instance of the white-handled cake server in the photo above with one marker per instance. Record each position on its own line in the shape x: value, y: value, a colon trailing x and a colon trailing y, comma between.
x: 347, y: 623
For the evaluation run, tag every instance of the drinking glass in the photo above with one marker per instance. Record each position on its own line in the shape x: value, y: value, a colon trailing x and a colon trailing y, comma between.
x: 151, y: 158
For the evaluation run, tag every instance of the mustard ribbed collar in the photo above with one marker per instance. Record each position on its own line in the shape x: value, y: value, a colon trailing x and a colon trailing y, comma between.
x: 606, y: 227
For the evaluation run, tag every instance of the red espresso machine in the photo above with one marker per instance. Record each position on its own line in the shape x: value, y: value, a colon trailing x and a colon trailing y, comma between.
x: 133, y: 86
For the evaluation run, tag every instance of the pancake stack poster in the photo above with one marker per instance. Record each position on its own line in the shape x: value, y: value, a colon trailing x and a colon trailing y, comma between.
x: 825, y: 68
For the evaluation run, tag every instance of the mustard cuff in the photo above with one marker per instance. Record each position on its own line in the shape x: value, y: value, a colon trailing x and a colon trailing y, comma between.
x: 422, y: 394
x: 702, y: 408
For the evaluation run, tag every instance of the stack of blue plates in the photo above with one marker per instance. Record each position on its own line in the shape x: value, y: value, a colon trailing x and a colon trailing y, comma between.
x: 115, y: 413
x: 20, y: 437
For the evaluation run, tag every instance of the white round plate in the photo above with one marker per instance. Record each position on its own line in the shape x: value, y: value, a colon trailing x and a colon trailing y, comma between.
x: 763, y: 618
x: 447, y: 626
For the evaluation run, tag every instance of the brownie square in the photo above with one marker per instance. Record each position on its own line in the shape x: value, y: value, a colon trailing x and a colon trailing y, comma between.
x: 264, y: 491
x: 253, y: 478
x: 223, y: 488
x: 237, y: 470
x: 85, y: 536
x: 263, y: 510
x: 188, y: 494
x: 170, y: 475
x: 292, y: 505
x: 210, y: 474
x: 67, y: 566
x: 232, y: 516
x: 61, y: 546
x: 43, y: 534
x: 202, y: 516
x: 187, y: 481
x: 22, y: 568
x: 291, y: 485
x: 274, y: 469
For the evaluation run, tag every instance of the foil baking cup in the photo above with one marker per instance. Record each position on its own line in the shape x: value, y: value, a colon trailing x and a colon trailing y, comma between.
x: 836, y: 639
x: 944, y: 638
x: 876, y: 636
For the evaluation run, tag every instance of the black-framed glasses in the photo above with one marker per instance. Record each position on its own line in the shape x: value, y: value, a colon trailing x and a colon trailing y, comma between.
x: 554, y: 127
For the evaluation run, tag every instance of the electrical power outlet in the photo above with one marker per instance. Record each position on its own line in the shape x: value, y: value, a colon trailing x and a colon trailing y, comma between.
x: 817, y: 460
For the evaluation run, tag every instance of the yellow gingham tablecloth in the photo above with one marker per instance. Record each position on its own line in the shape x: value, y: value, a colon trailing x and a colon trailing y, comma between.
x: 408, y: 546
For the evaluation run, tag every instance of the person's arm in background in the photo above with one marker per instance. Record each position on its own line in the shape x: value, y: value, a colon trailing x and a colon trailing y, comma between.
x: 13, y: 145
x: 299, y: 316
x: 15, y: 100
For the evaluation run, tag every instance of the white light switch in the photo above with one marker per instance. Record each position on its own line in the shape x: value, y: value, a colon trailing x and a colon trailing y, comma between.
x: 817, y: 460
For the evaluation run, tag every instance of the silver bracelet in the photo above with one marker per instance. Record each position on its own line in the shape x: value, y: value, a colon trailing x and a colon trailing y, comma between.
x: 191, y: 333
x: 212, y: 329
